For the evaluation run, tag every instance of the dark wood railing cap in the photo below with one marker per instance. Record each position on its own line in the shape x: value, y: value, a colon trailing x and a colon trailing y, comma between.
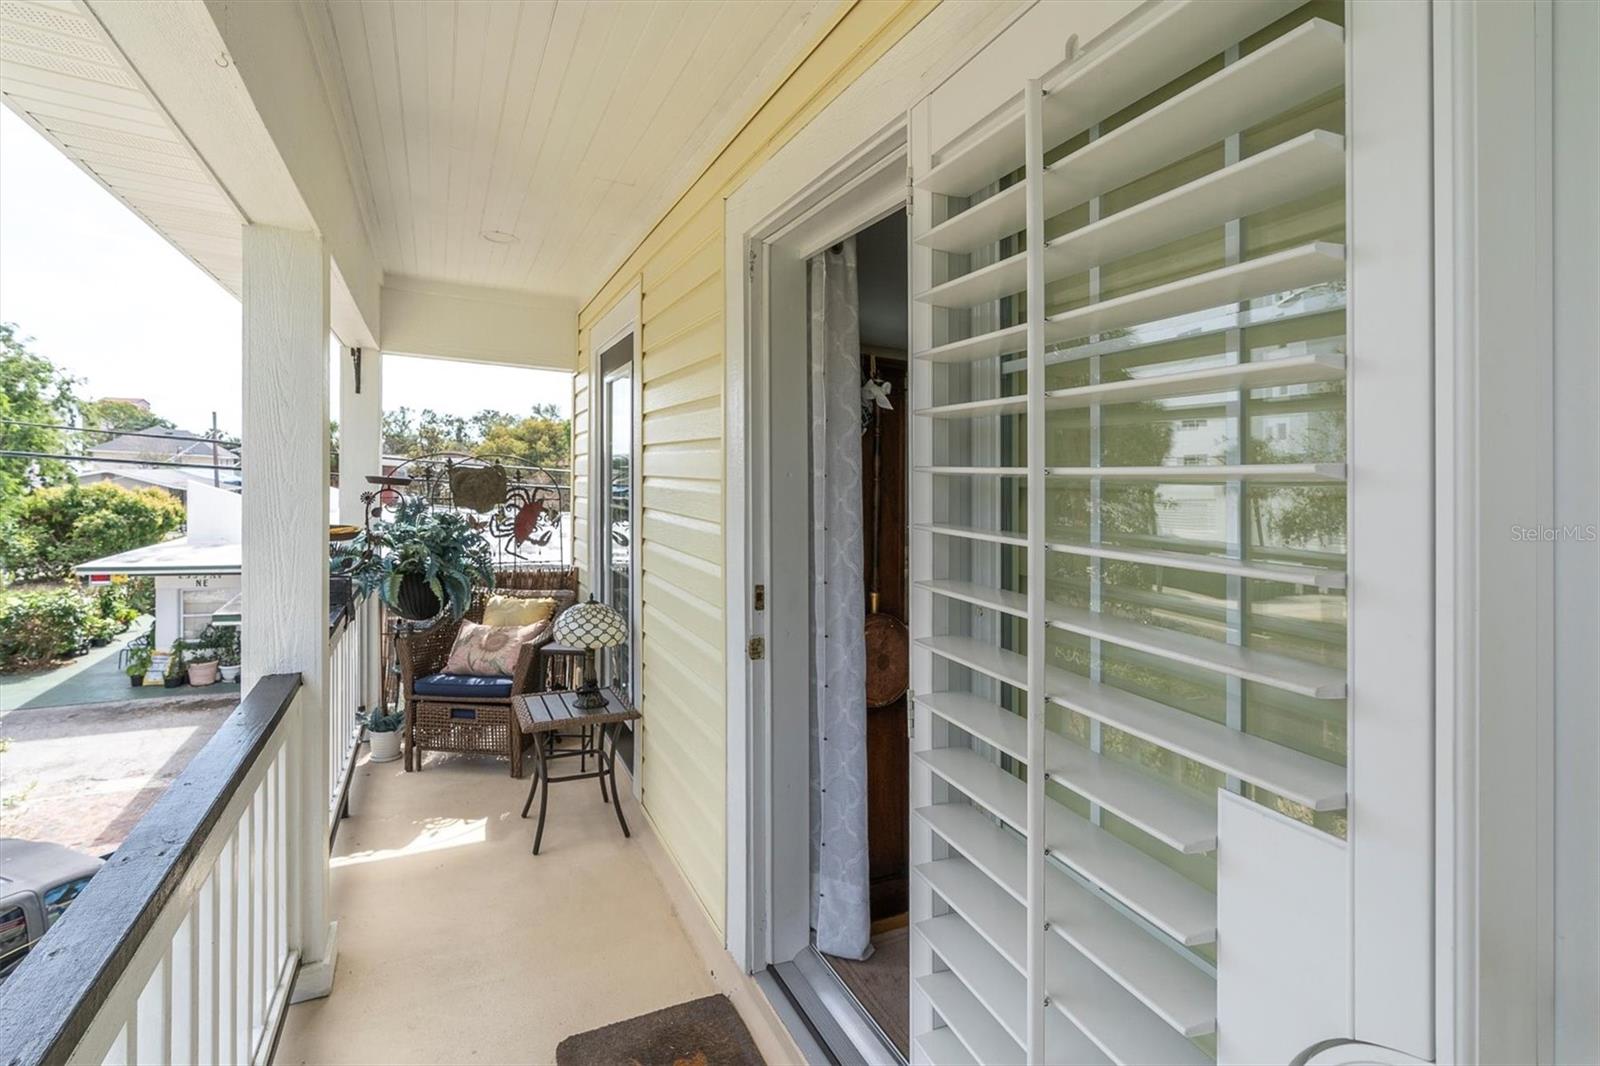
x: 47, y: 1004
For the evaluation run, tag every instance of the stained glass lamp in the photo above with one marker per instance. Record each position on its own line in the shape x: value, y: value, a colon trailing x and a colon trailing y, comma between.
x: 589, y: 626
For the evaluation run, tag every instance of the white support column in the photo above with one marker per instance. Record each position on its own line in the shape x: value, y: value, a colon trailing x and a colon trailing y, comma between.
x: 361, y: 456
x: 285, y: 580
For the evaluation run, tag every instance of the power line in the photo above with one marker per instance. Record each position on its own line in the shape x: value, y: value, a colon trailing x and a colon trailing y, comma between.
x: 174, y: 435
x: 7, y: 454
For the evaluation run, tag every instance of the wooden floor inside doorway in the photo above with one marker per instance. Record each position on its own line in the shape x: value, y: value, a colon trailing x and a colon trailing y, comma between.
x: 882, y: 984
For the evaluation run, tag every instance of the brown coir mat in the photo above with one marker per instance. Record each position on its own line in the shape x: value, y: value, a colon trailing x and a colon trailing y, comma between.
x: 702, y: 1032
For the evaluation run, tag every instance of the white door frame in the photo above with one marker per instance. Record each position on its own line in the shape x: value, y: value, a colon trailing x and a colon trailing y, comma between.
x: 610, y: 329
x: 817, y: 160
x: 773, y: 880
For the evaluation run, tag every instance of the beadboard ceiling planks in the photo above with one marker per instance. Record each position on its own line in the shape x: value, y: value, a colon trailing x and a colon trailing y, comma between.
x: 570, y: 125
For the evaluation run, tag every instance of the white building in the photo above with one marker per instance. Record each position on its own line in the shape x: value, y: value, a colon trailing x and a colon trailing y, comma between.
x: 195, y: 574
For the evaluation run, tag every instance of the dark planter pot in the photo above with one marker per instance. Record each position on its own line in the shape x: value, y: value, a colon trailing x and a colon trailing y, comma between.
x: 99, y: 642
x: 171, y: 682
x: 136, y: 680
x: 415, y: 601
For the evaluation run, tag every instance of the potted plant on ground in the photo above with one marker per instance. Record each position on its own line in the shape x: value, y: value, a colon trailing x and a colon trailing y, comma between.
x: 421, y: 561
x: 175, y: 673
x: 228, y: 662
x: 138, y: 666
x: 383, y: 731
x: 202, y: 665
x: 224, y: 640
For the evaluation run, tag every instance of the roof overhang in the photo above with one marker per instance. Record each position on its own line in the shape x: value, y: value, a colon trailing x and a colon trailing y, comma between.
x: 169, y: 558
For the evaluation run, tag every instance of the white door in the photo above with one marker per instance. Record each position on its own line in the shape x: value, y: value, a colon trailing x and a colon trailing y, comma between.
x: 1171, y: 545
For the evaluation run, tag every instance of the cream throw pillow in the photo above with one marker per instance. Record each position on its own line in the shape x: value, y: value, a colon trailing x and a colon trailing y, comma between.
x: 490, y: 651
x: 517, y: 611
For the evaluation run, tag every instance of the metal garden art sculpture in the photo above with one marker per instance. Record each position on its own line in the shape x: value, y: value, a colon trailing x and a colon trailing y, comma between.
x: 517, y: 506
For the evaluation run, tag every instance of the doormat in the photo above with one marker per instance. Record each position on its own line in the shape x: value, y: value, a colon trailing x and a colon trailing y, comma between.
x: 702, y: 1032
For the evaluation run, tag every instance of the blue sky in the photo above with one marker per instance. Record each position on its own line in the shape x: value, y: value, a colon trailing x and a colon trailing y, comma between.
x: 113, y: 303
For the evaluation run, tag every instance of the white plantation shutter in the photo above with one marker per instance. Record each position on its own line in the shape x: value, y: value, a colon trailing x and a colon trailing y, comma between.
x: 1129, y: 531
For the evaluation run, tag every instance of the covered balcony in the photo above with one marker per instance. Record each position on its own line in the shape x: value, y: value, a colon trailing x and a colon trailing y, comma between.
x: 1082, y: 516
x: 289, y: 898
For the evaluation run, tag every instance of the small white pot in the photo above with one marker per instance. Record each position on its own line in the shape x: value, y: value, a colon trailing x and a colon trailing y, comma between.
x: 385, y: 746
x: 230, y: 674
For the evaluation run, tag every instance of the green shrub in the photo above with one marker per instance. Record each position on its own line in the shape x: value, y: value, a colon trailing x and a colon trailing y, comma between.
x: 111, y: 605
x: 40, y: 624
x: 140, y: 594
x: 59, y: 527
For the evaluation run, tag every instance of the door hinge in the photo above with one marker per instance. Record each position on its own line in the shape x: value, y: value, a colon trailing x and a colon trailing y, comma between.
x: 751, y: 263
x: 911, y: 716
x: 761, y: 597
x: 758, y: 647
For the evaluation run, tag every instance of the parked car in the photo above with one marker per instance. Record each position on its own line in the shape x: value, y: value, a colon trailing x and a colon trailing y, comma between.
x: 37, y: 882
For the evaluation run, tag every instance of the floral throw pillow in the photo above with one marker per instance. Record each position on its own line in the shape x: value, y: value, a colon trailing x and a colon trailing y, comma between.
x: 490, y: 651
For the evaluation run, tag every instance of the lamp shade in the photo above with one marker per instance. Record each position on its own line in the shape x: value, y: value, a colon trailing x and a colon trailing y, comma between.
x: 591, y: 625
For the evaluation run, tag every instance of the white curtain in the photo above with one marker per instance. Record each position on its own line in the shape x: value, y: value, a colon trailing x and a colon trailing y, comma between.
x: 840, y: 900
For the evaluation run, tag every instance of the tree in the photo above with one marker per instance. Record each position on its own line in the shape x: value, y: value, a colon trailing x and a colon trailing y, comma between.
x: 120, y: 416
x: 58, y: 527
x: 541, y: 438
x: 32, y: 391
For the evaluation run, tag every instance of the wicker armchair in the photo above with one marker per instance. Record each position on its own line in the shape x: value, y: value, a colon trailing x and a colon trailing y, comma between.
x: 467, y: 715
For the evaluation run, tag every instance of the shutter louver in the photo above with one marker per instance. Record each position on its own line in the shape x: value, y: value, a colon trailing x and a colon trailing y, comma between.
x: 1167, y: 540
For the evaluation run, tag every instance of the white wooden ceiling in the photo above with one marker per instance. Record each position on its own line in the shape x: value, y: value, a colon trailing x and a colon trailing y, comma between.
x: 570, y: 124
x: 59, y: 71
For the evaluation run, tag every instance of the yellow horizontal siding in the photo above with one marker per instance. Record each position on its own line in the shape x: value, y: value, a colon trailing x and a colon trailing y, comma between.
x: 684, y: 386
x: 686, y: 349
x: 696, y: 499
x: 685, y: 459
x: 678, y: 268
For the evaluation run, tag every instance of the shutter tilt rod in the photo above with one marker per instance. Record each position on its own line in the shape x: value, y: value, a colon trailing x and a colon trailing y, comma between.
x: 1038, y: 1003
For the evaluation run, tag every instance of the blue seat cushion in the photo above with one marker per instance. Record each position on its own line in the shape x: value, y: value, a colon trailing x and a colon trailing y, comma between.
x: 463, y: 686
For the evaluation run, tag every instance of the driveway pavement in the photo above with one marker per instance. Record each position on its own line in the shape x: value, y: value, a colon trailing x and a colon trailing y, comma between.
x: 83, y: 775
x: 91, y: 678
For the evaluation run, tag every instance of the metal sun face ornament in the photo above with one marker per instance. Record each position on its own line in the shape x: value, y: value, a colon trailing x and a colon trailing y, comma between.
x: 589, y: 626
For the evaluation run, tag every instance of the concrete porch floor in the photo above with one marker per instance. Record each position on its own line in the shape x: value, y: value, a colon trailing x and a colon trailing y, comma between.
x: 458, y: 945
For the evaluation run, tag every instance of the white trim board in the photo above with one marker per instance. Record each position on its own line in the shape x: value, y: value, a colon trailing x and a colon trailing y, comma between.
x: 622, y: 321
x: 863, y: 118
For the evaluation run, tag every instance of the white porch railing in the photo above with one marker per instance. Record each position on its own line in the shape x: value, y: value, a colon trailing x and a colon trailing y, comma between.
x: 182, y: 948
x: 347, y: 655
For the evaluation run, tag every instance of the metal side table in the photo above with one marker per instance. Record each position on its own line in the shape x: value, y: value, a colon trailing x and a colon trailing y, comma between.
x: 541, y: 715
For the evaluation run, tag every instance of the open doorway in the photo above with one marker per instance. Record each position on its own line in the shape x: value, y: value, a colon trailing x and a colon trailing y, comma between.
x: 838, y: 541
x: 858, y: 333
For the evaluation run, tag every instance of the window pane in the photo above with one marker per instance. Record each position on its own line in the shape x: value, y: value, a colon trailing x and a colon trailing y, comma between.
x: 618, y: 516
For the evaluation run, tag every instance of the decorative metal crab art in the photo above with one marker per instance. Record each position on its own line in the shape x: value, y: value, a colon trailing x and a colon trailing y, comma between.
x: 518, y: 507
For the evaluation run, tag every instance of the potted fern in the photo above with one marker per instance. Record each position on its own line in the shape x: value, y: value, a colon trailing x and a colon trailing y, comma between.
x: 421, y: 561
x: 383, y: 732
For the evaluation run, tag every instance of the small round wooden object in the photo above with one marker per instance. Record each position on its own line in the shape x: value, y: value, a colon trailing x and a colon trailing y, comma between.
x: 888, y: 659
x: 342, y: 532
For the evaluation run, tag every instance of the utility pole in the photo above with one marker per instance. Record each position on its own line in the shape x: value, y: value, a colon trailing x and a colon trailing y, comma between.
x: 216, y: 473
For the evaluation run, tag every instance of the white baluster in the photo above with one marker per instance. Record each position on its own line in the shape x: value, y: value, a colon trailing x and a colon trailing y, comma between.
x: 153, y: 1024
